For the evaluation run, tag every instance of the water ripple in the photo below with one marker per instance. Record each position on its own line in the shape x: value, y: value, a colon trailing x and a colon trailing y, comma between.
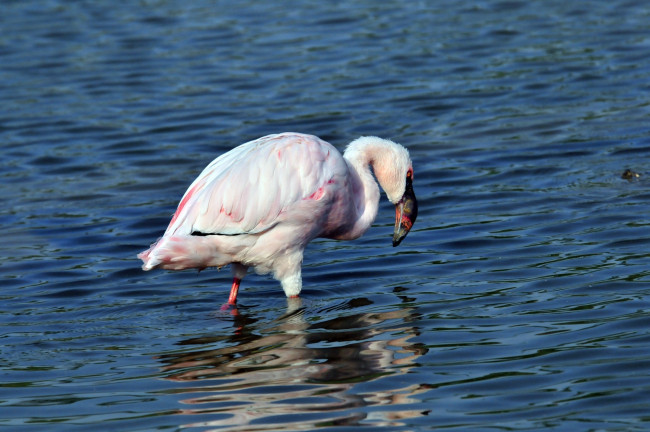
x: 518, y: 301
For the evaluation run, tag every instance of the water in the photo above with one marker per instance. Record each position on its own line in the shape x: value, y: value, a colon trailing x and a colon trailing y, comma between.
x: 519, y: 301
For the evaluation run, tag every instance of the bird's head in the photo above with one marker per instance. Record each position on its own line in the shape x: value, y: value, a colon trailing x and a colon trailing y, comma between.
x: 393, y: 169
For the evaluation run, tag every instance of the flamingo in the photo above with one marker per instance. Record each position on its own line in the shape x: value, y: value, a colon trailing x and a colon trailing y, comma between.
x: 261, y: 203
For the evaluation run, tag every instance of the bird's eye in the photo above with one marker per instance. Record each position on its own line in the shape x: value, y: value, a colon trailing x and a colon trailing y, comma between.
x: 409, y: 174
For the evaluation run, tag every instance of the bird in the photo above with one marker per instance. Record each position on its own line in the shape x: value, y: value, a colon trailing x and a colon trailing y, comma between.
x: 260, y: 204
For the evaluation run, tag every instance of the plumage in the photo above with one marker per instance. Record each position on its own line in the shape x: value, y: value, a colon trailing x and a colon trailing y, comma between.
x: 259, y: 205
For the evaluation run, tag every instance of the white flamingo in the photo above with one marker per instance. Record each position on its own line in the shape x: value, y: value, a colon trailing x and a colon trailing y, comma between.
x: 259, y: 205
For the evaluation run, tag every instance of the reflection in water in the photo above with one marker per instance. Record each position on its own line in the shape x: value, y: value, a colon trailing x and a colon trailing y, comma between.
x: 300, y: 374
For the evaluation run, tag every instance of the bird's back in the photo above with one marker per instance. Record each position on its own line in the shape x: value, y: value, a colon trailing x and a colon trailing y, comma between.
x: 246, y: 190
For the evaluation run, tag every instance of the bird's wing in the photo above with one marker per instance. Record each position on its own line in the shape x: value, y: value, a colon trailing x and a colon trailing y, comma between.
x: 246, y: 189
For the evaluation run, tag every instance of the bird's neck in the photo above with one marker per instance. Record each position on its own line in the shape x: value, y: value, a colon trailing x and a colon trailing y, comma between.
x: 364, y: 190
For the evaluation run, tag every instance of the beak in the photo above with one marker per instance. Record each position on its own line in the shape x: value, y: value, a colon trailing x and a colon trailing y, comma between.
x: 406, y: 211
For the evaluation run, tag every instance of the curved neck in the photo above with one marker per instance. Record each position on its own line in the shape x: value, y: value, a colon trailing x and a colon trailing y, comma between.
x: 364, y: 189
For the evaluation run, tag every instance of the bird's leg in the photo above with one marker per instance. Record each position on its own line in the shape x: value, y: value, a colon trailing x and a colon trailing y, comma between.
x: 232, y: 300
x: 238, y: 273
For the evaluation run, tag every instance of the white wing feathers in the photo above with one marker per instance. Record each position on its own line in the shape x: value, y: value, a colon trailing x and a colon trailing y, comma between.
x: 246, y: 189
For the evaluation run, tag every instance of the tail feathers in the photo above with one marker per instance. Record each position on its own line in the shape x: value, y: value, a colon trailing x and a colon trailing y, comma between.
x: 183, y: 252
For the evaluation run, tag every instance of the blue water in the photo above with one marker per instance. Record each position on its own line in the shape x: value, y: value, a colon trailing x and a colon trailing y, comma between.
x: 518, y: 302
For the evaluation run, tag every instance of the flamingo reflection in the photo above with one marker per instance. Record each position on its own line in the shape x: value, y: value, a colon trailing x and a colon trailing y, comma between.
x: 305, y: 371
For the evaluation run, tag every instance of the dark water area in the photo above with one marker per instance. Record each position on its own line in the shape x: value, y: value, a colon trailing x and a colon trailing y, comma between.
x: 518, y: 302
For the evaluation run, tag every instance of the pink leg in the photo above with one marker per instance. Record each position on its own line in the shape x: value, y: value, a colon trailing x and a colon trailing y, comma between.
x: 233, y: 291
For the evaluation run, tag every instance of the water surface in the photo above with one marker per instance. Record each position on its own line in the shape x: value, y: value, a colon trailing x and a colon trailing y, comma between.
x: 519, y: 300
